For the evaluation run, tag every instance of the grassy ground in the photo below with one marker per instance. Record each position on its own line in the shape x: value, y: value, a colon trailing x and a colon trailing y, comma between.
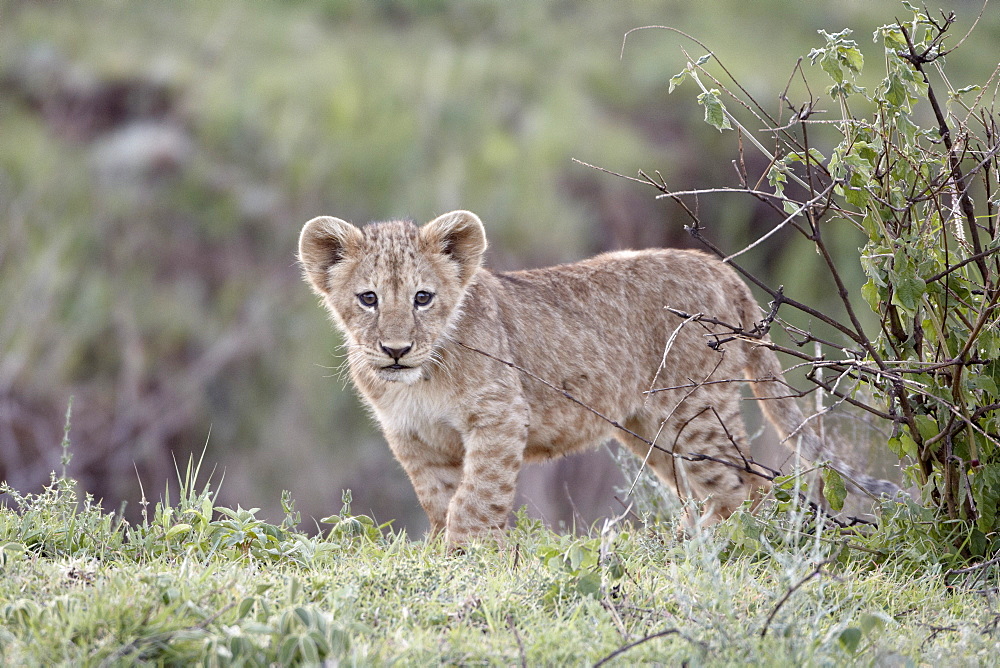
x: 216, y: 585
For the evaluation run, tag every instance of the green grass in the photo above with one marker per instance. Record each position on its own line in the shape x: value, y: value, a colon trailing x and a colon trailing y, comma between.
x: 197, y: 583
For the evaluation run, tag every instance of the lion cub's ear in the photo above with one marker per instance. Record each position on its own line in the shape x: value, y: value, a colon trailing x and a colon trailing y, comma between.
x: 324, y: 242
x: 461, y: 236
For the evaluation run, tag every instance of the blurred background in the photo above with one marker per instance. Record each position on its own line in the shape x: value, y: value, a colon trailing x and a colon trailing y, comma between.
x: 157, y: 161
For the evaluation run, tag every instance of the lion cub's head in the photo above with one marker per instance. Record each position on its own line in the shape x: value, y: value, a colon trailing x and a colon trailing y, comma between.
x: 393, y: 288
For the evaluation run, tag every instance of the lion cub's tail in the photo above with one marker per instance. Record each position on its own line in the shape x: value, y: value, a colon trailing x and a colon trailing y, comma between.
x: 783, y: 411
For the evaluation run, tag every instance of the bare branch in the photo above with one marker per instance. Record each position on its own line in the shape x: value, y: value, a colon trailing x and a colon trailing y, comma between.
x: 791, y: 590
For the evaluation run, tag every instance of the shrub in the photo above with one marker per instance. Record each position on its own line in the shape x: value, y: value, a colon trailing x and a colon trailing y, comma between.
x: 911, y: 176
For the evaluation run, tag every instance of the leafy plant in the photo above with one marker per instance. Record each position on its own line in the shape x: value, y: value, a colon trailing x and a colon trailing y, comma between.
x: 910, y: 176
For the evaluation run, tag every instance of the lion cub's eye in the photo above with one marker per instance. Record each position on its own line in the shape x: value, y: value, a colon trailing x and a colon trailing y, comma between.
x: 423, y: 298
x: 368, y: 299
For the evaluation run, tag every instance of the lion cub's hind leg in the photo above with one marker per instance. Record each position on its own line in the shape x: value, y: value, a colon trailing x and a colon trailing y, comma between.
x: 692, y: 430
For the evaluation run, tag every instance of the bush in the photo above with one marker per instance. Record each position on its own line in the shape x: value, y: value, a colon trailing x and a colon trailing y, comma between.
x: 912, y: 177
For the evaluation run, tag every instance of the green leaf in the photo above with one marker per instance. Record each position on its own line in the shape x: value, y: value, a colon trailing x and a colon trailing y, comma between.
x: 871, y: 294
x: 832, y: 67
x: 978, y: 543
x: 575, y: 557
x: 859, y: 161
x: 616, y: 570
x: 853, y: 58
x: 850, y: 638
x: 834, y: 489
x: 892, y: 37
x: 715, y: 111
x: 926, y: 426
x: 245, y: 606
x: 857, y: 196
x: 908, y: 288
x: 873, y: 225
x: 966, y: 89
x: 11, y: 552
x: 908, y: 291
x: 178, y: 529
x: 589, y: 584
x: 903, y: 445
x: 984, y: 382
x: 776, y: 177
x: 906, y: 127
x: 986, y: 489
x: 287, y: 651
x: 308, y: 650
x: 845, y: 89
x: 677, y: 80
x: 873, y: 621
x: 704, y: 59
x: 895, y: 93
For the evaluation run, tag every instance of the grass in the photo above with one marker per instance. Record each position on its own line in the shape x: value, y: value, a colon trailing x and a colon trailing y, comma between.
x: 194, y: 582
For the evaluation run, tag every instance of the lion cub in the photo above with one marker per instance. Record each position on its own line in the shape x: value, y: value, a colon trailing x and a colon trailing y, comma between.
x: 416, y: 308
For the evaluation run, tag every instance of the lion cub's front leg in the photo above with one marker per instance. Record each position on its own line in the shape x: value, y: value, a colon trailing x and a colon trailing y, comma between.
x: 435, y: 474
x: 494, y: 445
x: 468, y: 492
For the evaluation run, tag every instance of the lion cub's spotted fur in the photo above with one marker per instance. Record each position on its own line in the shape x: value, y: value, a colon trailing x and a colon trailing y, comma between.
x: 461, y: 424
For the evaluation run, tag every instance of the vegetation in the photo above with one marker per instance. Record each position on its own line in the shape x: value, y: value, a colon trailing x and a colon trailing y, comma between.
x: 918, y: 187
x: 156, y: 166
x: 194, y: 582
x: 147, y: 254
x: 904, y: 172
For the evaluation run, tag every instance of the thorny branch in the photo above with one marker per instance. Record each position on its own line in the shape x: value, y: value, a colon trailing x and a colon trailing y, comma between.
x: 791, y: 590
x: 749, y: 465
x: 918, y: 60
x: 652, y: 636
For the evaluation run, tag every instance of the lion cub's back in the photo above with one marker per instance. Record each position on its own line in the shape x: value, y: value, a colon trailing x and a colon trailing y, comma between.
x: 606, y: 317
x: 633, y: 287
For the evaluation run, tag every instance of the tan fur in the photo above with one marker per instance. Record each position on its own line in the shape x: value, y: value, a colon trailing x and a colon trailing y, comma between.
x: 461, y: 424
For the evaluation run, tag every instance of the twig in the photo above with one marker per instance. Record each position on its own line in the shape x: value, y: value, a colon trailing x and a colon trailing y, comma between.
x: 944, y: 130
x: 766, y: 473
x: 791, y: 590
x: 798, y: 211
x: 645, y: 460
x: 517, y: 637
x: 652, y: 636
x: 711, y: 382
x: 690, y: 456
x: 808, y: 310
x: 972, y: 258
x: 975, y: 567
x: 666, y: 351
x: 615, y: 617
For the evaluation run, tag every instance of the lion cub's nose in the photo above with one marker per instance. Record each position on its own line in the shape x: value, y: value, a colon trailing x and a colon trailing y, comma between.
x: 396, y: 350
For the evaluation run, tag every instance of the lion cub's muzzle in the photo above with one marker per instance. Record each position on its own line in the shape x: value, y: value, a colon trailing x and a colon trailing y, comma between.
x: 396, y: 351
x: 398, y: 362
